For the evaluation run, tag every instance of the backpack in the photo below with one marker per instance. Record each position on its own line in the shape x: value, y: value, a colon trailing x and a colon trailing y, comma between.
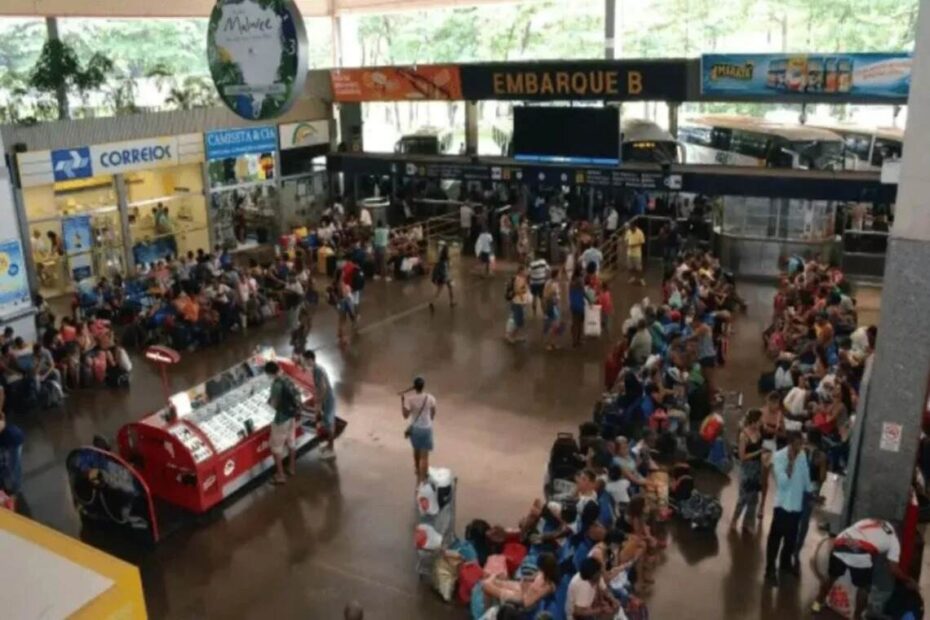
x: 701, y: 511
x: 510, y: 293
x: 470, y: 573
x: 358, y: 280
x: 563, y: 457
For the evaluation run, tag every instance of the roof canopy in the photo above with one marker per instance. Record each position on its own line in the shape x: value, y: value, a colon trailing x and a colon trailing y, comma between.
x: 202, y: 8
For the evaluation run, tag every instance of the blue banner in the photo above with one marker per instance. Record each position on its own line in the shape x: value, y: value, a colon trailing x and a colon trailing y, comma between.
x: 14, y: 287
x: 77, y: 234
x: 227, y: 143
x: 843, y: 76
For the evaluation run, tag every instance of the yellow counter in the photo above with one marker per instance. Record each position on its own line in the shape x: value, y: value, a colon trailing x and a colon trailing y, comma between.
x: 50, y: 575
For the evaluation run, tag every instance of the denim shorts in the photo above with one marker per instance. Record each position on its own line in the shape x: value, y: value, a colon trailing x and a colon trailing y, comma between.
x: 421, y: 438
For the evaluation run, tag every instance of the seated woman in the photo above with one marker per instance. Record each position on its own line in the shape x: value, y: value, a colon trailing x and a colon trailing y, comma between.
x: 527, y: 593
x: 618, y: 554
x: 634, y: 523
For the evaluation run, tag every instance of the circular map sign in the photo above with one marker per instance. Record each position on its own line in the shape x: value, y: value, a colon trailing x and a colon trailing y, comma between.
x: 257, y: 54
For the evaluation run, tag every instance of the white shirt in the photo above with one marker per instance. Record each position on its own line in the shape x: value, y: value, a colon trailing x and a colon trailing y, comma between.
x: 794, y: 401
x: 364, y: 218
x: 860, y: 542
x: 619, y: 490
x: 613, y: 220
x: 592, y: 255
x: 465, y: 215
x: 483, y: 244
x: 413, y: 404
x: 581, y: 593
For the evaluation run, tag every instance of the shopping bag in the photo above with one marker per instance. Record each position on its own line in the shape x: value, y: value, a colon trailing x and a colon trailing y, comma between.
x: 592, y: 320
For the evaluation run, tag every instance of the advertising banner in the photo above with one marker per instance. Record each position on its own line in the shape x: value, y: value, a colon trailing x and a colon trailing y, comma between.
x: 231, y: 143
x: 14, y: 287
x: 558, y: 80
x: 105, y: 489
x: 104, y: 159
x: 307, y: 133
x: 77, y: 234
x: 258, y: 56
x: 420, y: 83
x: 843, y: 76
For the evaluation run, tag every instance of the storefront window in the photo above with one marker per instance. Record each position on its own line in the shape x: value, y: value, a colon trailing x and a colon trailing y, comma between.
x: 75, y: 232
x: 242, y: 169
x: 167, y: 213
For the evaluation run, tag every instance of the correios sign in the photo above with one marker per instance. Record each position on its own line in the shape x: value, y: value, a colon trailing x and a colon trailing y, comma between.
x: 257, y: 50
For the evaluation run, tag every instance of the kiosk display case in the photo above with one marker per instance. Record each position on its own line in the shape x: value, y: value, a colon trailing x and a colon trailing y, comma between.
x: 207, y: 443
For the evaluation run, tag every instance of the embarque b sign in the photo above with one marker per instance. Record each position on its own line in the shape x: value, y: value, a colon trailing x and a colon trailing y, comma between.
x: 257, y: 51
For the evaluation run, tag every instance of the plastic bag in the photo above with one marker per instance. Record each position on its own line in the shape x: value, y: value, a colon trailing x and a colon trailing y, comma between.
x: 427, y: 502
x: 427, y: 538
x: 446, y: 574
x: 592, y: 321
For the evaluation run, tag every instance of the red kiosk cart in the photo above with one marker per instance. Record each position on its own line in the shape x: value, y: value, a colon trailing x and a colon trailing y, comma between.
x: 207, y: 443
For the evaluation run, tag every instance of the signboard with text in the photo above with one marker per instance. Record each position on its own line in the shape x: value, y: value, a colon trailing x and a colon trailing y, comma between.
x: 614, y: 80
x: 258, y: 56
x: 306, y: 133
x: 14, y: 287
x: 231, y: 143
x: 84, y: 162
x: 879, y: 76
x: 419, y: 83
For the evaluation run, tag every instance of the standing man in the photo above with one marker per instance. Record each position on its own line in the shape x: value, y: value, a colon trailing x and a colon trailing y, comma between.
x: 539, y: 274
x: 635, y: 240
x: 421, y: 406
x: 484, y: 250
x: 380, y: 239
x: 325, y: 404
x: 792, y: 481
x: 466, y: 213
x: 285, y: 400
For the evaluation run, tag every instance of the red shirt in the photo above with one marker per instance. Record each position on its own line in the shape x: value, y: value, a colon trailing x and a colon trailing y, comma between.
x: 348, y: 272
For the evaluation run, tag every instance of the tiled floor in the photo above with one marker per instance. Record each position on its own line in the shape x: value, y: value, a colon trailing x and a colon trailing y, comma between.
x: 344, y: 531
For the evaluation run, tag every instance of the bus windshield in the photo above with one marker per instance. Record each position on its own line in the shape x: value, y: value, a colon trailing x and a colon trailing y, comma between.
x: 419, y: 145
x: 818, y: 154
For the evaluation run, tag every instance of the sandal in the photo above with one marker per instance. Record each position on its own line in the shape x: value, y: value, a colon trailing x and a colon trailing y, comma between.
x: 278, y: 481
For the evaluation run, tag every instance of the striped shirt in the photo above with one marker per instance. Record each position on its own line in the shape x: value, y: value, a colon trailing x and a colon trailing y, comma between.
x: 539, y: 271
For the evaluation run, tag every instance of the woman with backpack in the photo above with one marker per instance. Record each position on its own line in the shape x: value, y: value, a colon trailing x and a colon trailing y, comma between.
x: 442, y: 277
x: 750, y: 476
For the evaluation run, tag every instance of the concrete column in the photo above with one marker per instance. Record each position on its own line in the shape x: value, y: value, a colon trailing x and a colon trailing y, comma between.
x: 122, y: 202
x: 610, y: 21
x: 673, y: 118
x: 471, y: 128
x: 888, y: 425
x: 350, y: 126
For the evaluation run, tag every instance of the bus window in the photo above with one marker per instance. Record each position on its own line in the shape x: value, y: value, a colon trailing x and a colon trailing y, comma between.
x: 749, y: 144
x: 885, y: 149
x: 720, y: 138
x: 857, y: 145
x: 695, y: 135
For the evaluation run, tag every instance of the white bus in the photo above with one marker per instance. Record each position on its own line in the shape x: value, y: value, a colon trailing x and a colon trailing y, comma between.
x: 425, y: 141
x: 867, y: 148
x: 741, y: 141
x: 641, y: 141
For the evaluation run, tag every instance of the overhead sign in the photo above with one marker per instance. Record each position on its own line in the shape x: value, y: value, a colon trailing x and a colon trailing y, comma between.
x: 257, y: 50
x: 83, y: 162
x: 307, y: 133
x: 231, y: 143
x: 880, y: 76
x: 419, y: 83
x: 615, y: 80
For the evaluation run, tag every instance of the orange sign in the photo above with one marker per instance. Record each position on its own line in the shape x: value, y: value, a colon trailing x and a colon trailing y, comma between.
x: 421, y: 83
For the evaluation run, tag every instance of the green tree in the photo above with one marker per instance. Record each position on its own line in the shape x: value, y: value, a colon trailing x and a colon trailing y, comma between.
x: 58, y: 70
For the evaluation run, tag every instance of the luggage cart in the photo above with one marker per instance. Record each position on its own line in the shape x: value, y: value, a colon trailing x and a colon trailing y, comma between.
x: 443, y: 522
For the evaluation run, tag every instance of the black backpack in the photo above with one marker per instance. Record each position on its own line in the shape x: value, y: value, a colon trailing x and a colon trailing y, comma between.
x: 509, y: 294
x: 564, y: 460
x: 358, y: 280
